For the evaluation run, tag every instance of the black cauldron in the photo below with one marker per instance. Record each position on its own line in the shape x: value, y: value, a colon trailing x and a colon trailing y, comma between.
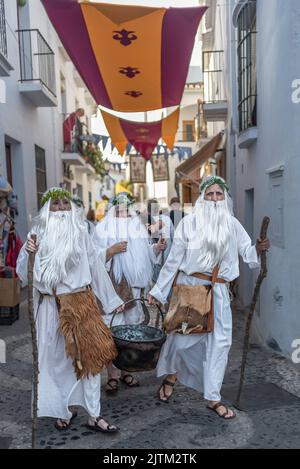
x: 138, y: 345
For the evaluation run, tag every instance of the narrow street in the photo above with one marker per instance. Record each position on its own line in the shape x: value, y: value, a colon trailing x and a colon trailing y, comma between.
x: 271, y: 399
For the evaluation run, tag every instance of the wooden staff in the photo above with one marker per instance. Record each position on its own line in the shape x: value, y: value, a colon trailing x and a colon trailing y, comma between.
x: 34, y: 344
x: 262, y: 275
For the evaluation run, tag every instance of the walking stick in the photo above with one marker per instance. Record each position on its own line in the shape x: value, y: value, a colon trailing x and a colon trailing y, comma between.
x: 34, y: 344
x: 262, y: 275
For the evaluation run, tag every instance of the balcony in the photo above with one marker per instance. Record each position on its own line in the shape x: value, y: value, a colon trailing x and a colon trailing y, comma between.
x: 37, y: 67
x: 5, y: 67
x: 77, y: 142
x: 215, y: 107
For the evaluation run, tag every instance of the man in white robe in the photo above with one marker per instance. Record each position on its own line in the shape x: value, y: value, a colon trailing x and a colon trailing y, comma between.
x: 129, y: 256
x: 208, y: 237
x: 66, y: 261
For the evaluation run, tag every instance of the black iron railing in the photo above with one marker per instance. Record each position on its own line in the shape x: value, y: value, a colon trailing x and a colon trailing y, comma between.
x: 3, y: 40
x: 247, y: 66
x: 212, y: 63
x: 36, y: 59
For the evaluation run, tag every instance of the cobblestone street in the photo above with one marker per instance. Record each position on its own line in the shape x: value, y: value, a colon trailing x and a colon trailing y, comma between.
x: 271, y: 399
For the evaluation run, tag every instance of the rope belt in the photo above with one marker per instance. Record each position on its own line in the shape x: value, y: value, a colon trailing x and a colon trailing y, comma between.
x: 209, y: 278
x: 69, y: 293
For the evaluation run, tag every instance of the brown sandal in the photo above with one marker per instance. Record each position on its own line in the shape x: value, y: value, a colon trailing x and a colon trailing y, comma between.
x: 64, y: 424
x: 133, y: 383
x: 165, y: 382
x: 112, y: 388
x: 108, y: 429
x: 223, y: 416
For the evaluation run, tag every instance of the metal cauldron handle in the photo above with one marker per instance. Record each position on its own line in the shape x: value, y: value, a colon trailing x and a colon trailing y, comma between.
x: 147, y: 315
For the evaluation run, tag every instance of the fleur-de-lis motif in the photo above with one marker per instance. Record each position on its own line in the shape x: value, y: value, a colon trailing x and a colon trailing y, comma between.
x: 134, y: 94
x: 130, y: 72
x: 125, y: 37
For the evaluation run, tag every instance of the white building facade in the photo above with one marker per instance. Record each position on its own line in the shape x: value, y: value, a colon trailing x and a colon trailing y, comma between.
x: 261, y: 44
x: 40, y: 88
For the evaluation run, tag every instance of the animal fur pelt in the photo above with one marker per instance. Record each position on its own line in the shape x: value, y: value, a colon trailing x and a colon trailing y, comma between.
x: 190, y: 310
x: 88, y: 340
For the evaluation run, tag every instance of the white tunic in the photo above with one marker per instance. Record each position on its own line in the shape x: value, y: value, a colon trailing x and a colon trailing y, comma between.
x: 136, y: 264
x: 200, y: 359
x: 58, y: 385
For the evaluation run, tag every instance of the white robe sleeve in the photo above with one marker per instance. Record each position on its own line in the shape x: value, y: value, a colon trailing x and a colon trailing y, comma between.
x: 161, y: 290
x: 101, y: 234
x: 101, y: 283
x: 22, y: 266
x: 245, y: 248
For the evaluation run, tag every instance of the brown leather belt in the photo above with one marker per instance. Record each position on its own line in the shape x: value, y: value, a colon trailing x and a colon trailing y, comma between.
x: 209, y: 278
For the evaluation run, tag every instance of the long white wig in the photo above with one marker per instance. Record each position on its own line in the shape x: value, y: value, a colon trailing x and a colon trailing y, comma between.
x: 213, y: 225
x: 60, y: 237
x: 135, y: 264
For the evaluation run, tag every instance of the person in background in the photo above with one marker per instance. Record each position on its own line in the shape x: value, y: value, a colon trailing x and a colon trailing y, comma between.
x: 176, y: 214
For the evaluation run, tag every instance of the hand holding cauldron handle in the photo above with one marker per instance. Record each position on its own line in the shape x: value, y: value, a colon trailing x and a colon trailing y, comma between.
x: 262, y: 275
x: 145, y: 310
x: 34, y: 343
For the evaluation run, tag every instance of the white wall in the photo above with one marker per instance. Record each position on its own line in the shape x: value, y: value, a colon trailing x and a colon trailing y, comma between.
x: 26, y: 125
x: 278, y: 51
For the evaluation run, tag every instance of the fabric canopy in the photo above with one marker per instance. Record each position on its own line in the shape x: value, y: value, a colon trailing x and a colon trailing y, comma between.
x: 131, y: 58
x: 144, y: 136
x: 191, y: 167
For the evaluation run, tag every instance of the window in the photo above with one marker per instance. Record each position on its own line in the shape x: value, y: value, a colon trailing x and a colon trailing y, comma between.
x: 188, y: 131
x: 40, y: 168
x: 247, y: 87
x: 90, y: 200
x: 3, y: 40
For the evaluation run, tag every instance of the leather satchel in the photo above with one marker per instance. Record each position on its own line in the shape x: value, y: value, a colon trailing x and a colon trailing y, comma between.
x: 191, y: 309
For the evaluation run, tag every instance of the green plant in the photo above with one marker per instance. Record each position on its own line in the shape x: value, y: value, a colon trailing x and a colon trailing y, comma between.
x: 93, y: 155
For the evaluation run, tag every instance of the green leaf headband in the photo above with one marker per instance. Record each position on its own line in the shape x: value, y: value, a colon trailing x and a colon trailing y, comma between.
x: 54, y: 194
x: 123, y: 198
x: 214, y: 180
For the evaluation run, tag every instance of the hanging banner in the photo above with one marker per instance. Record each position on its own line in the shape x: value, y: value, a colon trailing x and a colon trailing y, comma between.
x: 131, y: 58
x: 160, y: 167
x: 144, y: 136
x: 138, y: 169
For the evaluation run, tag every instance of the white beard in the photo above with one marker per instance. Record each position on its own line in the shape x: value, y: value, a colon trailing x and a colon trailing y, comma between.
x: 214, y: 223
x: 60, y: 246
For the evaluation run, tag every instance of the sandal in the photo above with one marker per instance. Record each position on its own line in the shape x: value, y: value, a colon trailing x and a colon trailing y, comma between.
x: 64, y: 425
x: 224, y: 415
x: 112, y: 388
x: 130, y: 381
x: 166, y: 397
x: 108, y: 429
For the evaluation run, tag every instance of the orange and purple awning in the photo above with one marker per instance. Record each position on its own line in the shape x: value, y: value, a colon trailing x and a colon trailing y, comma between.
x: 144, y: 136
x: 131, y: 58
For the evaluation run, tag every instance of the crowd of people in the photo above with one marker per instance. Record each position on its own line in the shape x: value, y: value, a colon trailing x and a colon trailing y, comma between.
x: 84, y: 272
